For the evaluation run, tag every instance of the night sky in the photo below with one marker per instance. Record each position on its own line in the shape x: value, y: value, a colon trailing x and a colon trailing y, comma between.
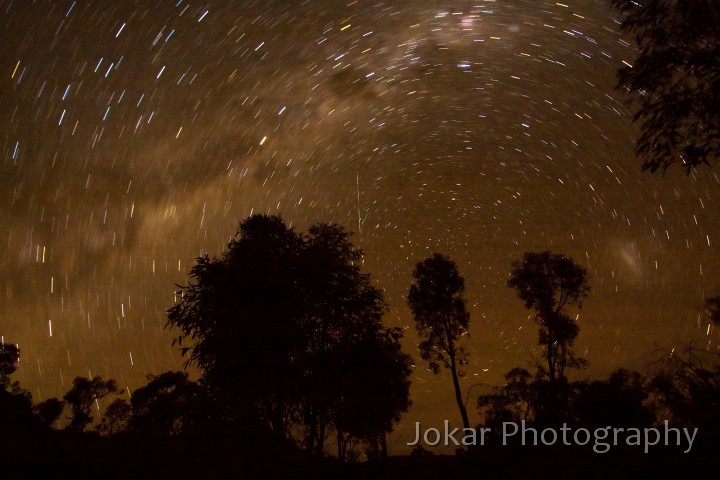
x: 137, y: 134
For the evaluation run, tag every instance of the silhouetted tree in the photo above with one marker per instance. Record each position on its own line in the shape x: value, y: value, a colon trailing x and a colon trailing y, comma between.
x: 243, y: 313
x: 547, y: 283
x: 16, y: 414
x: 277, y: 322
x: 686, y: 388
x: 9, y: 358
x: 674, y: 78
x: 343, y: 308
x: 356, y: 374
x: 436, y: 300
x: 513, y: 402
x: 116, y: 417
x: 49, y: 411
x: 686, y: 391
x: 170, y: 404
x: 81, y: 397
x: 622, y: 400
x: 375, y: 390
x: 618, y: 401
x: 712, y: 309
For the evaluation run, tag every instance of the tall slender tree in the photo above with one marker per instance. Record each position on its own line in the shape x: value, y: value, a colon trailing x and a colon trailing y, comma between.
x: 548, y: 283
x: 436, y: 300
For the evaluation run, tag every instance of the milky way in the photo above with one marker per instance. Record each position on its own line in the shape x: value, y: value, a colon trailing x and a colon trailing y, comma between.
x: 136, y: 135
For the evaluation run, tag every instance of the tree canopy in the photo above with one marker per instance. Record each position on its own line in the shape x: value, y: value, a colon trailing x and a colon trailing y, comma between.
x: 712, y: 309
x: 623, y: 400
x: 82, y: 396
x: 675, y: 79
x: 170, y: 404
x: 547, y: 283
x: 242, y: 315
x: 9, y: 357
x: 279, y: 326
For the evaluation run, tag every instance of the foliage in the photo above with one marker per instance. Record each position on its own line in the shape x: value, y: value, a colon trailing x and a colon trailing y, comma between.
x: 9, y: 358
x: 436, y: 300
x: 116, y: 417
x: 81, y: 397
x: 622, y: 400
x: 278, y: 325
x: 675, y: 78
x: 243, y: 314
x: 356, y: 371
x: 513, y: 402
x: 170, y: 404
x: 375, y: 387
x: 547, y: 283
x: 686, y: 391
x: 49, y: 411
x: 712, y: 309
x: 16, y: 415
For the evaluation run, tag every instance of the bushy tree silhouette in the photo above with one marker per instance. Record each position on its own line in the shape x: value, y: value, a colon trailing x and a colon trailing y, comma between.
x: 170, y: 404
x: 82, y: 396
x: 243, y: 314
x: 674, y: 78
x: 436, y: 300
x: 619, y: 401
x: 49, y: 411
x: 116, y: 418
x: 513, y: 402
x: 277, y: 324
x: 622, y: 400
x: 355, y: 367
x: 9, y: 358
x: 16, y: 414
x: 375, y: 389
x: 686, y: 390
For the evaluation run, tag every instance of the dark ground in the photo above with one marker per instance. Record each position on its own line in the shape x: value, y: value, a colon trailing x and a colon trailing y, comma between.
x: 61, y: 455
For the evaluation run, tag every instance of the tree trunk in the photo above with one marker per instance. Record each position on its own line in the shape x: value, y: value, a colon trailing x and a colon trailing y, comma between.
x: 551, y: 355
x: 311, y: 437
x: 458, y: 394
x: 320, y: 441
x: 341, y: 446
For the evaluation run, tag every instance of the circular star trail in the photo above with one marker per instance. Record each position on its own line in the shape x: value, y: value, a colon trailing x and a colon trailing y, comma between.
x: 136, y: 135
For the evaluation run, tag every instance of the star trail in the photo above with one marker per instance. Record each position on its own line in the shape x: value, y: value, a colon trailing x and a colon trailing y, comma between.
x: 136, y: 135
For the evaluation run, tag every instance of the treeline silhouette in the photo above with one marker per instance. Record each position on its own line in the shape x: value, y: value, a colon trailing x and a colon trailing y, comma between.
x: 296, y: 367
